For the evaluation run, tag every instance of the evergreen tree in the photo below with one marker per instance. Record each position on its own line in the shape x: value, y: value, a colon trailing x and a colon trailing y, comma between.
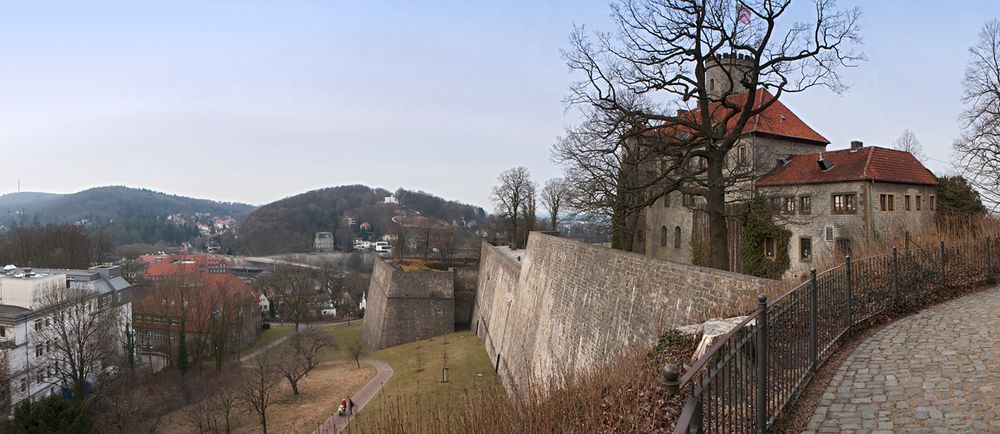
x: 182, y: 354
x: 51, y: 415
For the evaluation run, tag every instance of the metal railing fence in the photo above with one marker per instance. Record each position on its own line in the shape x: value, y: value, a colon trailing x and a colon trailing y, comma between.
x: 750, y: 375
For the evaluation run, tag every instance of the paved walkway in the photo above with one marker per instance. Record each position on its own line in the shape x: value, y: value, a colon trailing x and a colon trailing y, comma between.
x: 335, y: 423
x: 935, y: 371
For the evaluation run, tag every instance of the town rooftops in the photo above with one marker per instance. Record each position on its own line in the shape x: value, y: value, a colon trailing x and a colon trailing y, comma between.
x: 776, y: 120
x: 870, y: 163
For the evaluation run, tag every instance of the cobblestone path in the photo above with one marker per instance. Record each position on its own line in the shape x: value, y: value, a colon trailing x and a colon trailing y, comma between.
x: 935, y: 371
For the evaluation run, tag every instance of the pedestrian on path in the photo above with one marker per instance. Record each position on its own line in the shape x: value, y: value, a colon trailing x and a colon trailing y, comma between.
x: 350, y: 406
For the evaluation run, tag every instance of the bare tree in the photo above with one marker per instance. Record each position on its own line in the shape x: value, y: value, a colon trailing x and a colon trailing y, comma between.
x: 78, y: 337
x: 356, y: 348
x: 600, y: 174
x: 293, y: 290
x: 510, y: 195
x: 978, y: 148
x: 553, y: 196
x: 257, y: 387
x: 908, y: 142
x: 703, y: 70
x: 301, y: 355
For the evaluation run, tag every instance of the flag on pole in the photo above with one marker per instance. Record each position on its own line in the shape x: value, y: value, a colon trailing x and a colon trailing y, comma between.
x: 743, y: 15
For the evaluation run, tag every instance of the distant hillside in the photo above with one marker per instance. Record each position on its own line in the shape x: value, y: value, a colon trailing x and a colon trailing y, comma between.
x: 290, y: 224
x: 126, y: 215
x: 442, y: 209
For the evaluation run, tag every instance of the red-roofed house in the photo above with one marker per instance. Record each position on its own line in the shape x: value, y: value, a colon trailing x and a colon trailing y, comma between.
x: 216, y: 309
x: 834, y: 200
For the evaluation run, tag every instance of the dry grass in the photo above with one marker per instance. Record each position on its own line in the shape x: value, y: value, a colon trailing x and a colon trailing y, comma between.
x: 623, y: 396
x: 321, y: 392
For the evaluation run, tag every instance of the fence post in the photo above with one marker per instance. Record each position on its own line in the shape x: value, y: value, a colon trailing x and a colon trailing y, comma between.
x: 895, y: 278
x: 762, y: 363
x: 850, y: 291
x: 942, y: 265
x: 989, y: 262
x: 813, y: 338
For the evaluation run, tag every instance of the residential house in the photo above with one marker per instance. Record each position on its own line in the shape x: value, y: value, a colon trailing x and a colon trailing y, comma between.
x: 834, y: 201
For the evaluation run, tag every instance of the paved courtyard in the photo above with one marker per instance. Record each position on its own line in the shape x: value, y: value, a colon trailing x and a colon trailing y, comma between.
x: 935, y: 371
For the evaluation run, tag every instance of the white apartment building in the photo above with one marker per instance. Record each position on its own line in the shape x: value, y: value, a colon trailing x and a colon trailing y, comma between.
x: 24, y: 317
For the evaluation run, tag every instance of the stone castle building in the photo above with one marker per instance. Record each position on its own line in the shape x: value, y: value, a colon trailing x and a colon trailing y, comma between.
x: 779, y: 154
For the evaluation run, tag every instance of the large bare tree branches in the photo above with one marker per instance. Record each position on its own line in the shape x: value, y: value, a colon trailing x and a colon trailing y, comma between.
x: 663, y: 103
x: 978, y: 147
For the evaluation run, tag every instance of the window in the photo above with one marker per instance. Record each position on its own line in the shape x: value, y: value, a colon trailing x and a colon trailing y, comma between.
x: 886, y: 202
x: 769, y: 247
x: 777, y: 204
x: 907, y: 200
x: 24, y: 385
x: 663, y: 236
x: 666, y: 200
x: 805, y: 249
x: 805, y: 205
x: 844, y: 246
x: 677, y: 237
x: 3, y: 332
x: 789, y: 203
x: 828, y: 233
x: 744, y: 154
x: 38, y: 325
x: 688, y: 199
x: 919, y: 200
x: 844, y: 203
x: 711, y: 85
x: 38, y: 350
x: 933, y: 202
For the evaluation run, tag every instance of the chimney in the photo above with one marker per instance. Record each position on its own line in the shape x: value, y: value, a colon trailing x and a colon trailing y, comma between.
x: 856, y: 145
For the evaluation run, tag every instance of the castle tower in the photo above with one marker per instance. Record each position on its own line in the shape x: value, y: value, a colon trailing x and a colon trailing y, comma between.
x: 725, y: 74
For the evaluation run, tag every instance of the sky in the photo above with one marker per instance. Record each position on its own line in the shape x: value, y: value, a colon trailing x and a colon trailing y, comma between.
x: 255, y: 101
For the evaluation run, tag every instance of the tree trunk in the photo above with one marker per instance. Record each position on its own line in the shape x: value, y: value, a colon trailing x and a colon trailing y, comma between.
x: 295, y: 386
x: 718, y: 232
x: 263, y: 421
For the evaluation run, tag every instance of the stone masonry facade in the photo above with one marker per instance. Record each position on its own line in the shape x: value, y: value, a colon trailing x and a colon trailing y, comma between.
x: 407, y: 306
x: 569, y: 306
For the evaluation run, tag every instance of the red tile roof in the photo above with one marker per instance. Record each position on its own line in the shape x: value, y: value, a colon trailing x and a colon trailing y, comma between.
x: 174, y: 264
x: 869, y: 164
x: 776, y: 120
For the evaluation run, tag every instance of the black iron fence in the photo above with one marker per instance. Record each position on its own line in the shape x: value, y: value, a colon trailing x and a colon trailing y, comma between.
x: 750, y: 375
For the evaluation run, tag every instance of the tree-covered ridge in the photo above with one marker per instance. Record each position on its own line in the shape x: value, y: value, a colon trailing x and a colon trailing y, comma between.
x: 125, y: 215
x: 290, y: 224
x: 435, y: 207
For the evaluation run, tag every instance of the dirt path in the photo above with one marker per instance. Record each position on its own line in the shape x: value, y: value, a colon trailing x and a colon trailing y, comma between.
x: 335, y: 423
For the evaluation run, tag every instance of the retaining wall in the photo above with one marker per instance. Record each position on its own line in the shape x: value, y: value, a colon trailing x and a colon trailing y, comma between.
x: 570, y: 306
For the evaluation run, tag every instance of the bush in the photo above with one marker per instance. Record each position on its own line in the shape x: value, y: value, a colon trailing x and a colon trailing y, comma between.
x: 51, y: 415
x: 757, y: 226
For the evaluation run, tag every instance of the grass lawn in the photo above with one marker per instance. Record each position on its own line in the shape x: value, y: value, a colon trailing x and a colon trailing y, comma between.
x: 267, y: 336
x: 341, y: 335
x: 321, y: 390
x: 416, y: 386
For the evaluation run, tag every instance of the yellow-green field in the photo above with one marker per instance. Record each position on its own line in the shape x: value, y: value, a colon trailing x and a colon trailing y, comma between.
x: 416, y: 388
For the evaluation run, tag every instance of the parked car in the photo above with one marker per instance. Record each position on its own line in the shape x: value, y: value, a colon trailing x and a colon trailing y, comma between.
x: 329, y: 312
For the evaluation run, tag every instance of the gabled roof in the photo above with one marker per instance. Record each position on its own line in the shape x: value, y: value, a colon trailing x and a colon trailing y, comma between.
x: 866, y: 164
x: 776, y: 120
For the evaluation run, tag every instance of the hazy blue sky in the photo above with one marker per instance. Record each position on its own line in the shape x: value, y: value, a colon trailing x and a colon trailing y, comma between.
x: 255, y: 101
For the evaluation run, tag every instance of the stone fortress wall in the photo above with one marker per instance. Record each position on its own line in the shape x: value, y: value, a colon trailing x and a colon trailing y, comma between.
x: 570, y: 306
x: 407, y: 306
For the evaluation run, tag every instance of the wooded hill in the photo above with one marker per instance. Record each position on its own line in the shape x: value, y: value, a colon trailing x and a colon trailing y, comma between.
x: 126, y: 215
x: 290, y: 225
